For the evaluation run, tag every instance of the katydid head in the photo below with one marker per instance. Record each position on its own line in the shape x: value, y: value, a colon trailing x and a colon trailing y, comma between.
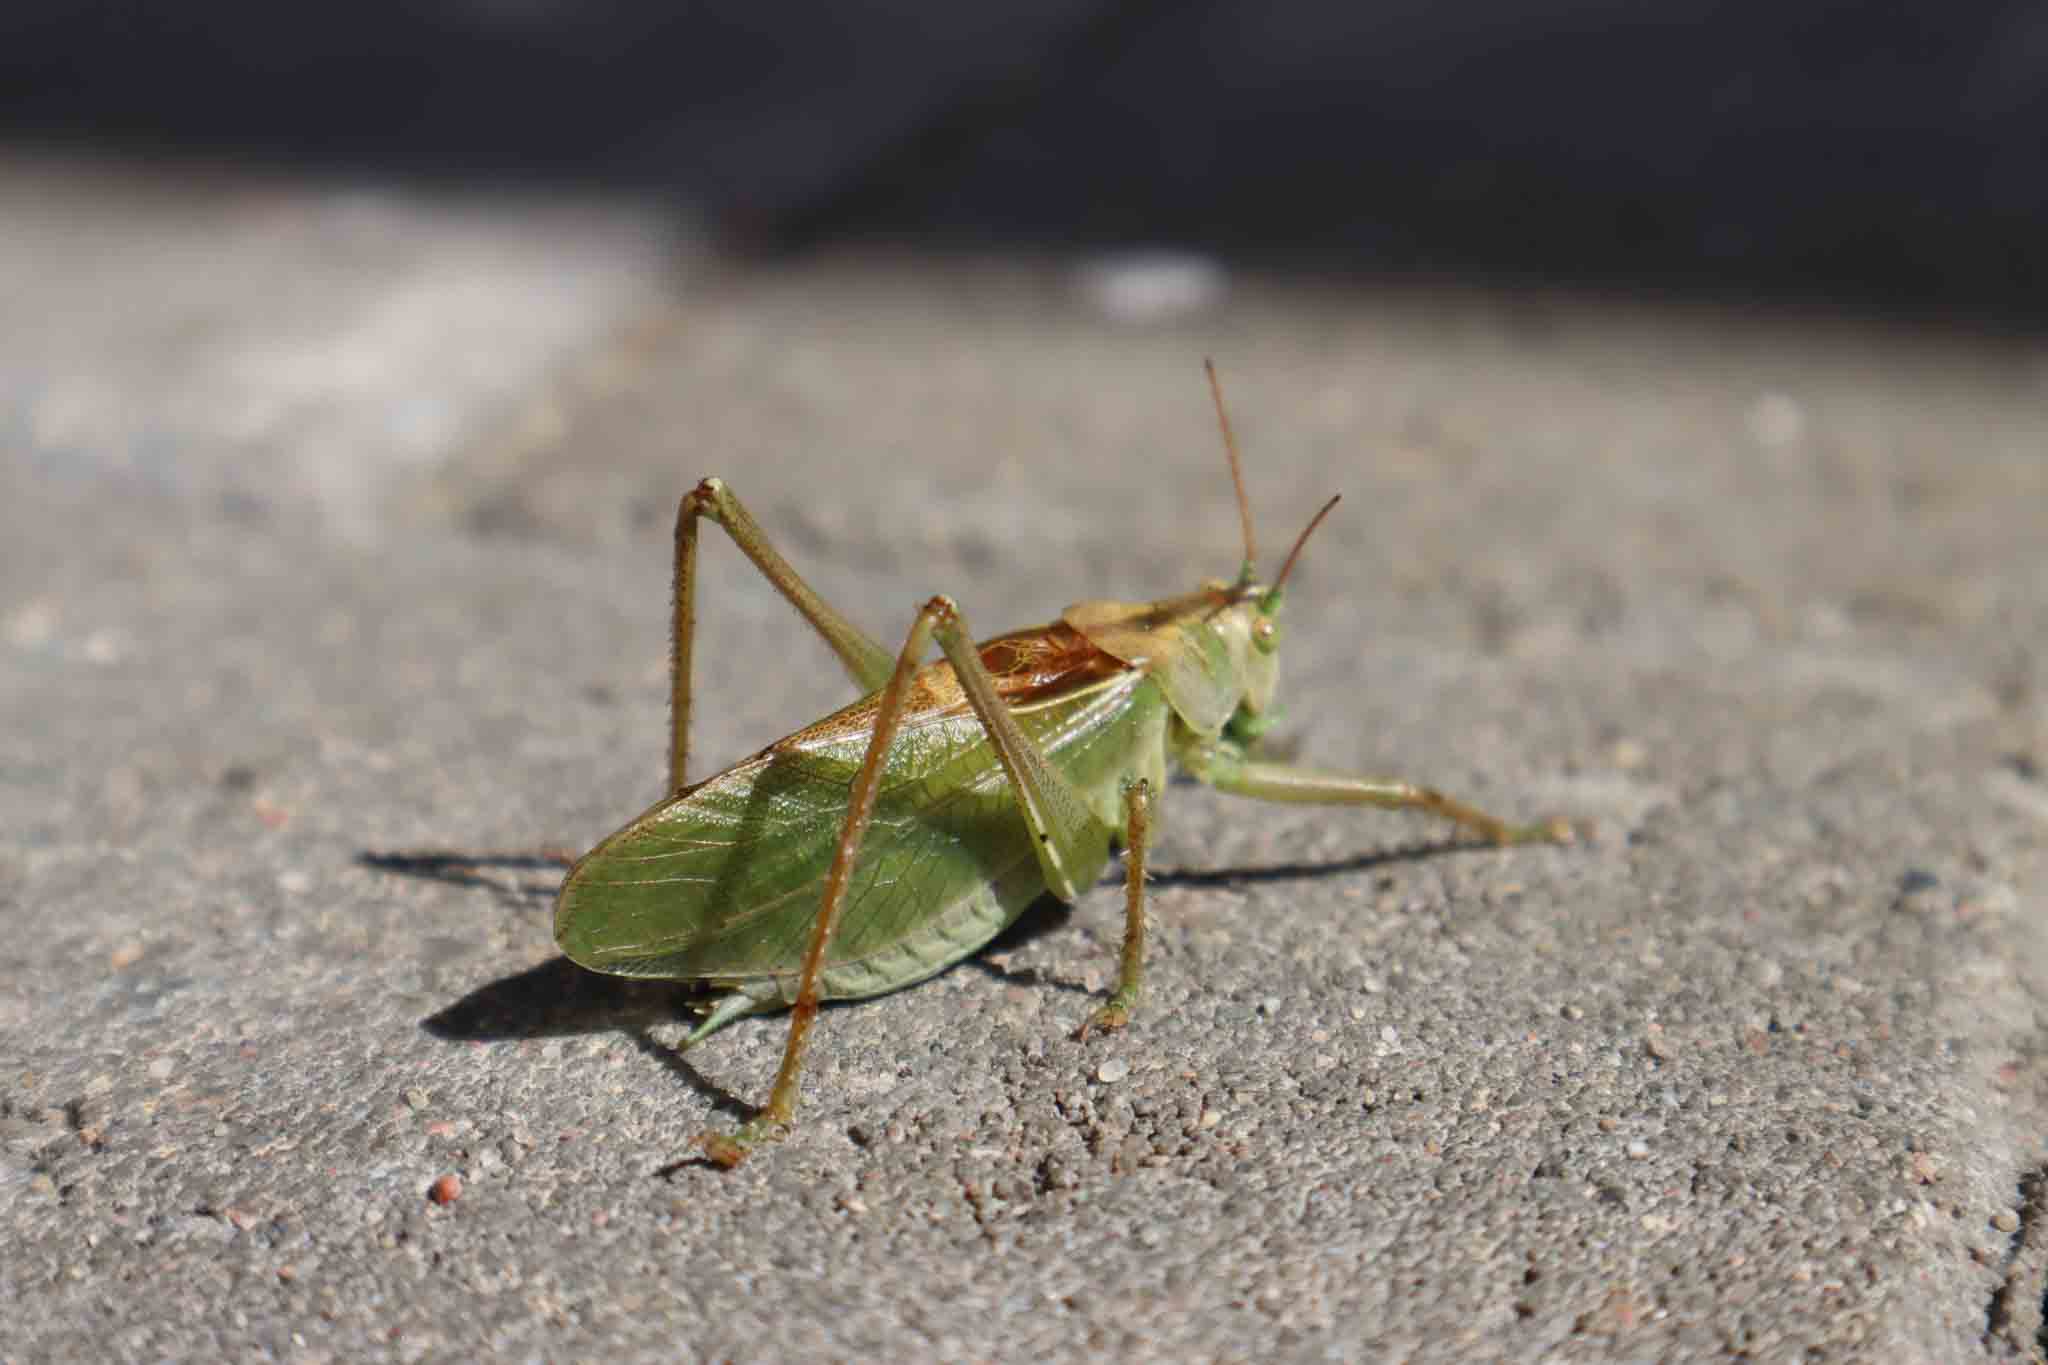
x: 1252, y: 606
x: 1258, y: 606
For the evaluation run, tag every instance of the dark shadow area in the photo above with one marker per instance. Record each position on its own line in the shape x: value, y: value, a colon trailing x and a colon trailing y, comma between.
x: 458, y: 868
x: 1884, y: 156
x: 560, y: 999
x: 1048, y: 914
x: 1338, y: 867
x: 720, y: 1099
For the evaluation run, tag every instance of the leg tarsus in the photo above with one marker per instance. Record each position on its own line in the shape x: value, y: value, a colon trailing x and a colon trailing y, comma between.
x: 728, y: 1150
x: 1111, y: 1016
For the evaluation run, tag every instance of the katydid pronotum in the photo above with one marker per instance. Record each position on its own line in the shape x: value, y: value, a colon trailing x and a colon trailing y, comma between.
x: 899, y: 835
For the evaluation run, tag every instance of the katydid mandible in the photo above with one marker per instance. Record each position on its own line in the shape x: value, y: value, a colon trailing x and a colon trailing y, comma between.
x: 899, y: 835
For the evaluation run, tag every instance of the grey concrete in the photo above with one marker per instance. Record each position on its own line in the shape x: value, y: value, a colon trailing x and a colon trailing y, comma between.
x: 337, y: 525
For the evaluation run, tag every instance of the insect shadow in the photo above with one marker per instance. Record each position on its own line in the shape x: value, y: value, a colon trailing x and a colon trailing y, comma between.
x: 559, y: 999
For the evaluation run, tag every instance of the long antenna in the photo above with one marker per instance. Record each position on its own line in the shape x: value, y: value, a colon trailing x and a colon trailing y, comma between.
x: 1244, y: 506
x: 1295, y: 553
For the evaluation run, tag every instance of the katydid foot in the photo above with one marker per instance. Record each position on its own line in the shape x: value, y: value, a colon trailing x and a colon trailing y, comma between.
x: 1114, y: 1014
x: 728, y: 1150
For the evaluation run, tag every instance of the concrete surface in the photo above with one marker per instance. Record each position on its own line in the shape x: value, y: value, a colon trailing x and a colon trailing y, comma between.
x: 337, y: 526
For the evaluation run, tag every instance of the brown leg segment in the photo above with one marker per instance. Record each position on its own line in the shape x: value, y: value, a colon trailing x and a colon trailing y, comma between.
x: 1048, y: 804
x: 730, y: 1149
x: 865, y: 661
x: 1116, y: 1012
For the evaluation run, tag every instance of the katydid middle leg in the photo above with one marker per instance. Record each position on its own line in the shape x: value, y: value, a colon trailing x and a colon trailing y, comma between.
x: 1116, y: 1012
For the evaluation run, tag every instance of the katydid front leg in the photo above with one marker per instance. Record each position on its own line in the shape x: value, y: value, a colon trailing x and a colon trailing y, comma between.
x: 1058, y: 818
x: 1222, y: 764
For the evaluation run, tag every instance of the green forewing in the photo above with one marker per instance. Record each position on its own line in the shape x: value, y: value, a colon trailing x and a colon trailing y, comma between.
x: 722, y: 882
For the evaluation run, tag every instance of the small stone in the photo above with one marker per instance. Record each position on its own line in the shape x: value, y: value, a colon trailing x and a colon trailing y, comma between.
x: 1776, y: 420
x: 1153, y: 287
x: 1112, y: 1071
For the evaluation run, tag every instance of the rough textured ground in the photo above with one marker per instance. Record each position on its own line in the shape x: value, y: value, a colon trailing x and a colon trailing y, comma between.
x: 337, y: 525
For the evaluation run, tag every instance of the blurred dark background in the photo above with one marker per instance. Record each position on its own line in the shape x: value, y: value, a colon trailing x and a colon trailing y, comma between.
x: 1881, y: 155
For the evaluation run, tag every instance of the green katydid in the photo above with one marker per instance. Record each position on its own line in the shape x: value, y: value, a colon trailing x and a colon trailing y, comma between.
x: 899, y: 835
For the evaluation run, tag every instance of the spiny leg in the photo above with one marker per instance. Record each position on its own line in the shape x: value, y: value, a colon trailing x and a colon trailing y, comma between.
x: 774, y: 1119
x: 867, y: 662
x: 1064, y: 830
x: 1055, y: 813
x: 1223, y: 766
x: 1131, y: 965
x: 864, y: 660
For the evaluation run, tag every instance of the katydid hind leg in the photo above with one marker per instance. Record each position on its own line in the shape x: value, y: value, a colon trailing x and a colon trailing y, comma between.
x: 729, y: 1149
x: 1055, y: 813
x: 1116, y: 1012
x: 866, y: 662
x: 1226, y: 769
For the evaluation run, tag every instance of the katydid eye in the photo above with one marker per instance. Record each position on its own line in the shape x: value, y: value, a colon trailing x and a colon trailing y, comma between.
x: 1265, y: 634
